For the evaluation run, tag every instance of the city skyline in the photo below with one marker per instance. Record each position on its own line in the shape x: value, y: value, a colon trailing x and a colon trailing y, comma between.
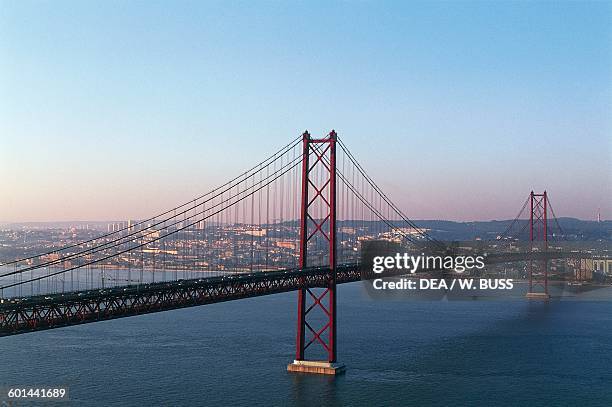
x: 458, y: 110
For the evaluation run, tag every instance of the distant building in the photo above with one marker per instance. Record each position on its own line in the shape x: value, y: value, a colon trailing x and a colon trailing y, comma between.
x: 584, y: 270
x: 50, y: 257
x: 603, y: 266
x: 286, y: 244
x: 255, y: 232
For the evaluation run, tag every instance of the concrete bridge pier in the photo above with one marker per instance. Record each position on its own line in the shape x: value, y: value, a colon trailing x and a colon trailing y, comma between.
x: 316, y: 367
x: 537, y: 296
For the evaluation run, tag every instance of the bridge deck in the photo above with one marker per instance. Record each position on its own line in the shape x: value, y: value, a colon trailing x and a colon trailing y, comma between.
x: 20, y: 315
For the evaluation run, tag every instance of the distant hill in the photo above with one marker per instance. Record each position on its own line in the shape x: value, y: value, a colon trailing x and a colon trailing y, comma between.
x: 571, y: 229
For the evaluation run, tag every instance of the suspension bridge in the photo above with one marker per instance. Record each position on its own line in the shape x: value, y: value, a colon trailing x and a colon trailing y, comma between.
x: 296, y: 221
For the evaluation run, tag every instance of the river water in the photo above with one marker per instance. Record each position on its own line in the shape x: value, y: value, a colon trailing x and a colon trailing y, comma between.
x: 438, y: 353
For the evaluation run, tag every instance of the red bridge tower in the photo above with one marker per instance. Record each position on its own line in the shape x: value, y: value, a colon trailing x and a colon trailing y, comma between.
x: 538, y: 236
x: 318, y: 221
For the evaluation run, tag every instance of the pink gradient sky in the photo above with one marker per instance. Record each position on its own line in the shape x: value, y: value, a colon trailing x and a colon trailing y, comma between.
x: 457, y: 110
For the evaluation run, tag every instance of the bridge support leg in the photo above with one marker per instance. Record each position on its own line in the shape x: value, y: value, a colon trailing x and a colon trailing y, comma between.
x: 318, y: 221
x: 538, y: 236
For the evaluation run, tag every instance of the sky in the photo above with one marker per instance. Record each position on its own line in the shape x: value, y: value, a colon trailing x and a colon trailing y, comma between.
x: 116, y: 110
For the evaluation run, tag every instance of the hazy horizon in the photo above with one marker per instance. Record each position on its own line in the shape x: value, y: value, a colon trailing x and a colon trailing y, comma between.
x: 3, y: 223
